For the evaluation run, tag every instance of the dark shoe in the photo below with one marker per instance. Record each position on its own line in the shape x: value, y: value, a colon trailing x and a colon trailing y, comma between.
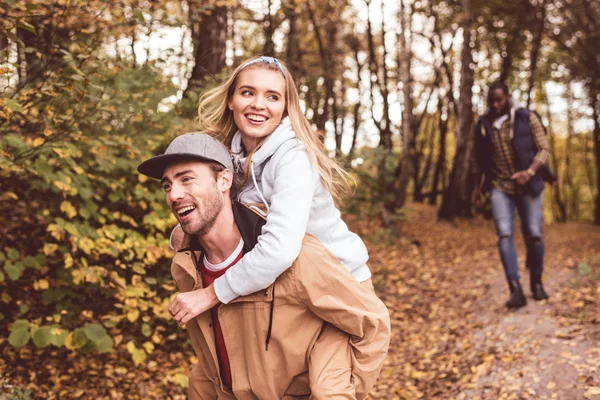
x: 538, y: 291
x: 517, y: 298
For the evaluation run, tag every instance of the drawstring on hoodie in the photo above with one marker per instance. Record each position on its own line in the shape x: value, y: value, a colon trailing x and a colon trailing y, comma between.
x: 256, y: 186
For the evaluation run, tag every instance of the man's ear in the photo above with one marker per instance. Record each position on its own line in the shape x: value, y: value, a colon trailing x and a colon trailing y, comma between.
x: 225, y: 180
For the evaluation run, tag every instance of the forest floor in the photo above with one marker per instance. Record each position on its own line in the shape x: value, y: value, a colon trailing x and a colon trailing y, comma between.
x: 452, y: 337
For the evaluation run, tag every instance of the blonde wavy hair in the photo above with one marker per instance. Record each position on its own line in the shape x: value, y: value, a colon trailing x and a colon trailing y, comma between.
x: 216, y: 119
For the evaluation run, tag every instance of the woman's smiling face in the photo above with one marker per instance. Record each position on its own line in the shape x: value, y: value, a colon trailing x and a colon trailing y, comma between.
x: 258, y: 104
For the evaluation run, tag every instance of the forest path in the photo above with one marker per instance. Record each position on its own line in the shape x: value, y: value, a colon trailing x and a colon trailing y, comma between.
x: 452, y: 334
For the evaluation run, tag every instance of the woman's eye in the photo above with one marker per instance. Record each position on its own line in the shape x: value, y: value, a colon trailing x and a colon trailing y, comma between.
x: 246, y: 93
x: 274, y: 97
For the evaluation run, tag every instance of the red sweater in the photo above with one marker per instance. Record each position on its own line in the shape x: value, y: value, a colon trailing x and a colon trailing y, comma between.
x: 208, y: 277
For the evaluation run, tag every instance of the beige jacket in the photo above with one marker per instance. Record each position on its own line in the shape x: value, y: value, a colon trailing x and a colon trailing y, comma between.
x: 315, y: 289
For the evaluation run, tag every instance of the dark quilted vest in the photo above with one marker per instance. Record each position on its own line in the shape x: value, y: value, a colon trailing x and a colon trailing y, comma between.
x: 523, y: 145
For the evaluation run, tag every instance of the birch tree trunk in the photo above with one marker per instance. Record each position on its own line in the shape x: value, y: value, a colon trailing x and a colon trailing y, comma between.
x: 407, y: 161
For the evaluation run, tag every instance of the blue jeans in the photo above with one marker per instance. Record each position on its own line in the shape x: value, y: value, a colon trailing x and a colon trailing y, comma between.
x: 530, y: 214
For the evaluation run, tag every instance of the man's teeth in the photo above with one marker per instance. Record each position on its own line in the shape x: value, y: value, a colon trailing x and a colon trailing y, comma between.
x: 185, y: 209
x: 257, y: 118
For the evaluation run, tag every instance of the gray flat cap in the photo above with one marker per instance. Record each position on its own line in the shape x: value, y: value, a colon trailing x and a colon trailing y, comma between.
x: 194, y: 145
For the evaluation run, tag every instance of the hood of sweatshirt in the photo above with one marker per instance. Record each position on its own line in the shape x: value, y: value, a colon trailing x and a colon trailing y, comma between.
x: 282, y: 134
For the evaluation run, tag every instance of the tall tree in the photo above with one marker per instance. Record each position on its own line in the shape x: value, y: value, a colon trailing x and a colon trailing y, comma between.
x: 407, y: 163
x: 208, y: 25
x: 456, y: 200
x: 536, y: 45
x: 379, y: 80
x: 326, y: 43
x: 292, y: 52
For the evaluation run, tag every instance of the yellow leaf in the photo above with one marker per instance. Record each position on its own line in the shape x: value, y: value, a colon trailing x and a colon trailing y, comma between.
x: 68, y: 260
x: 149, y: 347
x: 49, y: 132
x: 38, y: 142
x: 60, y: 153
x: 130, y: 346
x: 69, y: 341
x: 50, y: 248
x: 42, y: 284
x: 68, y: 208
x: 181, y: 380
x: 551, y: 385
x: 62, y: 186
x: 86, y: 244
x: 133, y: 315
x: 56, y: 232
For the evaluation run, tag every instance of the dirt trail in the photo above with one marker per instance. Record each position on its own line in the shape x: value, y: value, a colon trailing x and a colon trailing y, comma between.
x: 542, y: 358
x: 453, y: 338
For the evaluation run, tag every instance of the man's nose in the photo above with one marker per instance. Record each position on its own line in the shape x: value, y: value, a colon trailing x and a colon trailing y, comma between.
x: 176, y: 193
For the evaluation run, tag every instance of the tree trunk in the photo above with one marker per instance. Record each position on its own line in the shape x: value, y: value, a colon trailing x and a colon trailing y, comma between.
x: 507, y: 58
x: 572, y: 197
x: 596, y: 116
x: 456, y: 200
x: 440, y: 165
x: 209, y: 34
x: 385, y: 136
x: 429, y: 144
x: 269, y: 29
x: 355, y: 46
x: 292, y: 54
x: 407, y: 161
x: 562, y: 210
x: 325, y: 51
x: 535, y: 50
x: 373, y: 73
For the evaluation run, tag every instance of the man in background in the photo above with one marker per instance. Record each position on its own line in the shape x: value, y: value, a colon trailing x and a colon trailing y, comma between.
x: 511, y: 151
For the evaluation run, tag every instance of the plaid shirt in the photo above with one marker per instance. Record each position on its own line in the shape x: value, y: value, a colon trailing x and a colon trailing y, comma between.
x: 504, y: 159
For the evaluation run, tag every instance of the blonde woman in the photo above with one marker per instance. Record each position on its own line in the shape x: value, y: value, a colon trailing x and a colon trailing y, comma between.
x: 282, y: 165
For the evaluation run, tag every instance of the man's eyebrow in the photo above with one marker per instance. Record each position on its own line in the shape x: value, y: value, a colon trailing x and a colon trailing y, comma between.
x: 177, y: 175
x: 253, y: 88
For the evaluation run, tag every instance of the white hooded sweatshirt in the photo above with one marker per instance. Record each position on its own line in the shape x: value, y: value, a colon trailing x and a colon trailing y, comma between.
x: 284, y: 179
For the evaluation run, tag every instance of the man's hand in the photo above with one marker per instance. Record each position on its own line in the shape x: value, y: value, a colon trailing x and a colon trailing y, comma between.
x: 521, y: 177
x: 188, y: 305
x: 476, y: 197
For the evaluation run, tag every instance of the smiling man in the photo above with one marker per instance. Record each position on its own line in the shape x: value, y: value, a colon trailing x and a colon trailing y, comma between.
x: 259, y: 346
